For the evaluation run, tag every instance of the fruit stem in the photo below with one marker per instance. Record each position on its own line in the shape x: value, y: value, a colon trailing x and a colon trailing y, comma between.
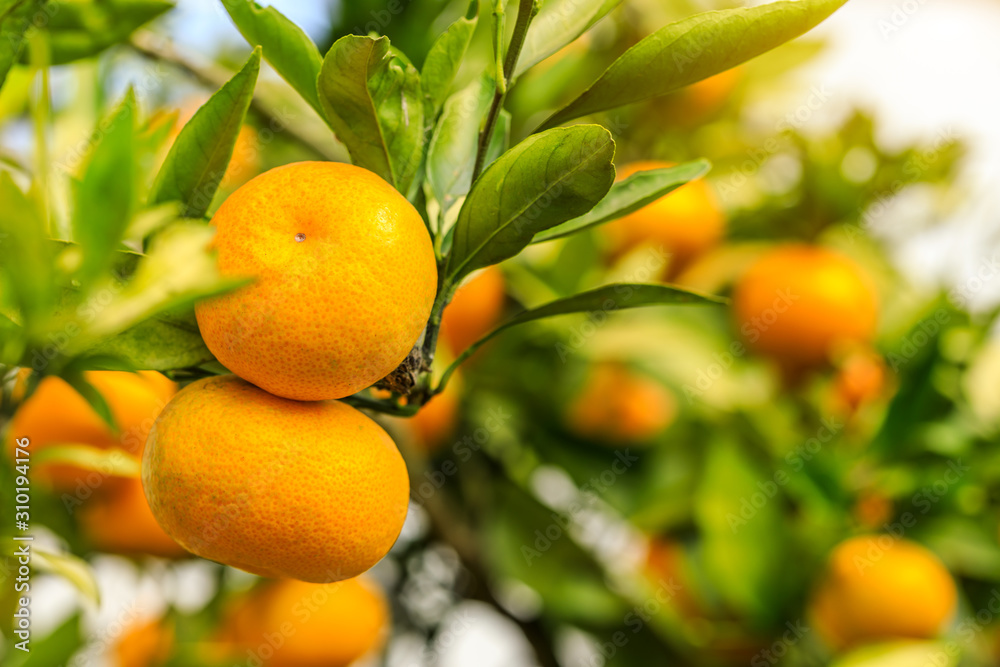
x: 526, y: 11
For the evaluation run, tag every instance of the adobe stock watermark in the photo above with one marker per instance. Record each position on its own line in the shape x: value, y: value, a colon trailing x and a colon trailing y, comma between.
x: 580, y: 334
x: 913, y: 170
x: 784, y: 299
x: 795, y: 461
x: 899, y: 15
x: 756, y: 157
x: 587, y: 497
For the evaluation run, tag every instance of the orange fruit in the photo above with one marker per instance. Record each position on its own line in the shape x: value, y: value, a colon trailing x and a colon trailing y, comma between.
x: 620, y: 406
x: 475, y: 310
x: 289, y: 623
x: 121, y: 522
x: 860, y: 380
x: 314, y: 491
x: 705, y: 98
x: 56, y: 414
x: 685, y: 222
x: 877, y: 588
x: 147, y: 644
x: 344, y: 279
x: 799, y: 303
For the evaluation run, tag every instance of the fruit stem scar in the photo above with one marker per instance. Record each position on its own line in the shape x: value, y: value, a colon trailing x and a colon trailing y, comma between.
x: 300, y: 237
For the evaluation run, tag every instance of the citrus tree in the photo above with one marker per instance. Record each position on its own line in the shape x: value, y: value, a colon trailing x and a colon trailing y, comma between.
x: 321, y: 294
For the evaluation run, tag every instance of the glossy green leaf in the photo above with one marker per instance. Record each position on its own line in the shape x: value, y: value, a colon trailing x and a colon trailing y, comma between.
x: 286, y: 46
x: 161, y: 343
x: 543, y: 181
x: 373, y: 101
x: 604, y: 300
x: 451, y: 154
x: 443, y: 61
x: 558, y: 23
x: 15, y: 19
x: 199, y: 157
x: 629, y: 195
x: 113, y: 461
x: 83, y: 29
x: 106, y: 193
x: 902, y: 653
x: 693, y: 49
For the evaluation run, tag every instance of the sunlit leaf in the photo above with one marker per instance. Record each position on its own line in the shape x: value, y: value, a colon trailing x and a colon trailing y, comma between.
x: 113, y: 462
x: 15, y: 19
x: 443, y: 61
x: 558, y: 23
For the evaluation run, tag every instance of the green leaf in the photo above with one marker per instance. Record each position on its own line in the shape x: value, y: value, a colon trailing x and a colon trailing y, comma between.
x: 199, y: 157
x: 607, y: 299
x: 901, y: 653
x: 451, y: 155
x: 106, y: 194
x: 372, y: 100
x: 25, y: 254
x: 15, y: 19
x: 76, y: 379
x: 178, y: 271
x: 162, y: 343
x: 286, y: 46
x: 85, y: 28
x: 558, y: 23
x: 739, y: 548
x: 74, y: 570
x: 630, y: 195
x: 543, y: 181
x: 113, y: 462
x: 696, y: 48
x: 443, y: 61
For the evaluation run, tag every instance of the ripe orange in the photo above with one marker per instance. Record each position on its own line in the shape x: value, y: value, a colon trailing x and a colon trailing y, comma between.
x: 705, y: 98
x: 620, y: 406
x: 475, y: 310
x: 119, y: 521
x: 878, y: 588
x: 800, y: 303
x: 56, y: 414
x: 289, y: 623
x: 685, y: 222
x: 345, y: 277
x: 147, y: 644
x: 314, y: 491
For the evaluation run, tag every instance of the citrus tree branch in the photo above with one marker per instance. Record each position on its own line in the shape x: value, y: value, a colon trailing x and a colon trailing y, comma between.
x: 159, y: 48
x: 526, y: 11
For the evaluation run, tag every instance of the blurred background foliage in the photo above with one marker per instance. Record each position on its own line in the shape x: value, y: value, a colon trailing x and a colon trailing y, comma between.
x: 624, y: 489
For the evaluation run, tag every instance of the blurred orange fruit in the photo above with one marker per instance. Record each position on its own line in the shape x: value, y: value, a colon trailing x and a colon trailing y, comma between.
x: 294, y: 624
x: 56, y: 414
x: 878, y: 588
x: 120, y: 522
x: 314, y: 491
x: 475, y: 310
x: 705, y: 98
x: 146, y: 644
x: 860, y: 379
x: 799, y: 303
x: 685, y: 222
x: 345, y: 276
x: 621, y: 406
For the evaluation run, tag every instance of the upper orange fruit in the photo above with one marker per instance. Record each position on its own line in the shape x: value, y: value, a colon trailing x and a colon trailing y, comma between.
x: 878, y: 588
x: 319, y: 625
x: 475, y: 310
x: 345, y: 277
x: 56, y: 414
x: 685, y: 222
x: 798, y: 303
x: 313, y: 491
